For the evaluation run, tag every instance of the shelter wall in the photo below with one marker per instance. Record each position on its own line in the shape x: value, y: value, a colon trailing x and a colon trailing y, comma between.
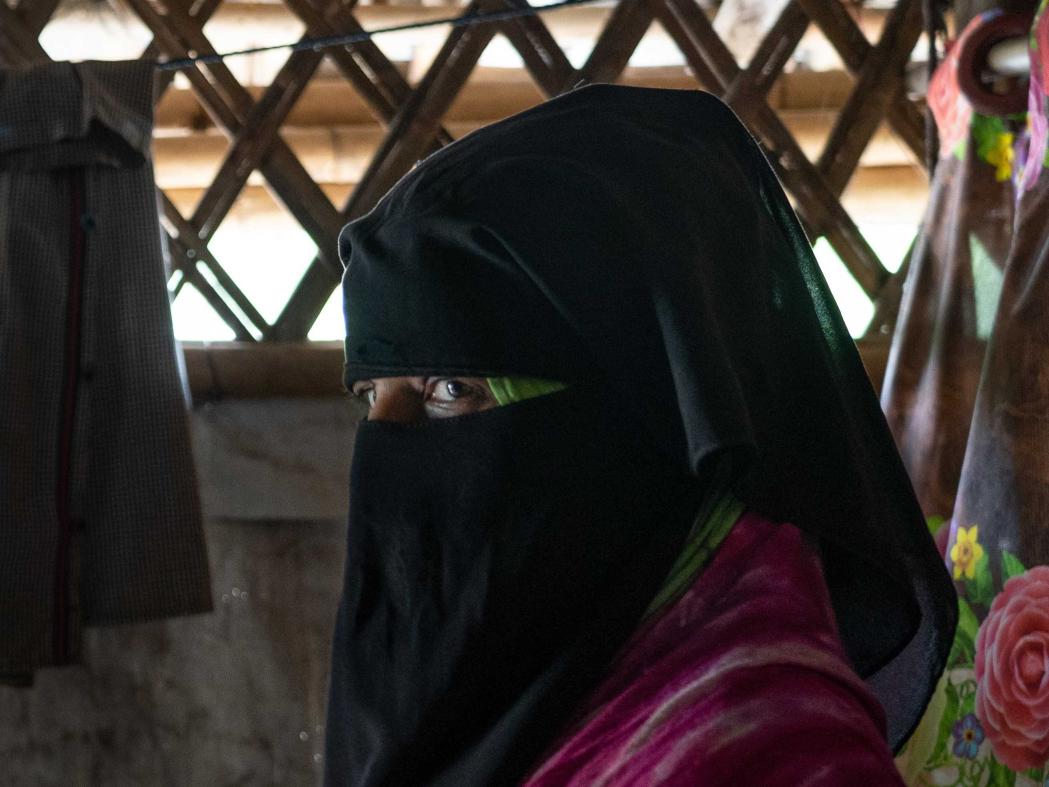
x: 232, y: 697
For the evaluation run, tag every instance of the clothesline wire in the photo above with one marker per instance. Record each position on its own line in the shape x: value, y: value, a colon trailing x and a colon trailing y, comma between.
x: 327, y: 42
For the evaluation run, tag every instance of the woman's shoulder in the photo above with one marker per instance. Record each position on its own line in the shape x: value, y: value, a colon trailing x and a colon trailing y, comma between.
x: 741, y: 680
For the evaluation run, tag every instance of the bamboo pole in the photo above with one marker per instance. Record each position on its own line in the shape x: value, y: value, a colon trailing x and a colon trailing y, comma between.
x: 875, y: 195
x: 312, y: 369
x: 340, y: 154
x: 494, y: 93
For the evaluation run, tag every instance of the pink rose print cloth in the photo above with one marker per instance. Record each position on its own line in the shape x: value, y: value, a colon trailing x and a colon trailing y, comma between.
x: 1012, y: 671
x: 988, y: 723
x: 741, y: 681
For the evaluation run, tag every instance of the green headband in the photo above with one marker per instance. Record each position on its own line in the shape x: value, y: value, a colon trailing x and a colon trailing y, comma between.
x: 508, y: 390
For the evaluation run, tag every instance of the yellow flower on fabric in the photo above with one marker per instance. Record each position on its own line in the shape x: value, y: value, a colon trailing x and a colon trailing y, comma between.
x: 966, y: 553
x: 1001, y: 156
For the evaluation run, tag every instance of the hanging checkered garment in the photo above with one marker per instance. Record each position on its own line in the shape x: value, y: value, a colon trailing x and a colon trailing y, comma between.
x: 99, y: 513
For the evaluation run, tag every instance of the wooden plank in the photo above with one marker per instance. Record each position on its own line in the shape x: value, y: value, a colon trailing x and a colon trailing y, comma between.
x: 420, y: 116
x: 305, y: 303
x: 192, y: 276
x: 253, y: 142
x: 491, y: 94
x: 375, y: 79
x: 743, y: 24
x: 879, y: 84
x: 312, y: 369
x: 165, y: 41
x: 893, y: 194
x: 267, y: 16
x: 543, y: 59
x: 286, y: 369
x: 184, y: 249
x: 184, y: 244
x: 201, y: 11
x: 194, y: 279
x: 772, y: 54
x: 194, y: 252
x: 888, y: 194
x: 837, y: 24
x: 255, y: 201
x: 626, y: 26
x: 874, y: 352
x: 182, y: 259
x: 415, y: 130
x: 340, y: 155
x: 410, y: 135
x: 818, y: 205
x: 176, y: 33
x: 815, y: 203
x: 853, y: 47
x: 887, y: 306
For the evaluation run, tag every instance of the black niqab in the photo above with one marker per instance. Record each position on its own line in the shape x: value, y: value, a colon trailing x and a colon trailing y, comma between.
x: 636, y: 240
x: 495, y: 564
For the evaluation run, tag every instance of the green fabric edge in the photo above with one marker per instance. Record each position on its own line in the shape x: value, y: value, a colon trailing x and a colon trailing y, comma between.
x: 713, y: 524
x: 508, y: 390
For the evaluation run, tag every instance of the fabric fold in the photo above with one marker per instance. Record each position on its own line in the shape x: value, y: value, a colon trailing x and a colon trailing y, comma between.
x: 63, y: 114
x: 706, y: 693
x: 100, y: 520
x: 952, y: 288
x: 684, y: 287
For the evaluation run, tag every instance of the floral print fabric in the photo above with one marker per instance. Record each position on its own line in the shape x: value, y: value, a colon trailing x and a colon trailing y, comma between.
x: 988, y: 723
x: 1012, y: 673
x: 953, y: 284
x: 959, y: 126
x: 1035, y: 157
x: 740, y: 681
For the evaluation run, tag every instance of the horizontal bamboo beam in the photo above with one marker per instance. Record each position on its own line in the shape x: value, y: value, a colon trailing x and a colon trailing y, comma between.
x: 887, y: 195
x: 265, y: 370
x: 271, y: 19
x: 255, y: 201
x: 113, y: 32
x: 341, y: 154
x: 896, y: 195
x: 494, y: 93
x: 232, y: 370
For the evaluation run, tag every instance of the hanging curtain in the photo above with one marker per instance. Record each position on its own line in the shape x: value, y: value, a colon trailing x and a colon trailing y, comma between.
x: 99, y: 516
x: 988, y: 723
x: 952, y: 287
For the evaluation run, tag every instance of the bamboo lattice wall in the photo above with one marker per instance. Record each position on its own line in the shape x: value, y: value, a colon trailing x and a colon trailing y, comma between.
x: 413, y: 113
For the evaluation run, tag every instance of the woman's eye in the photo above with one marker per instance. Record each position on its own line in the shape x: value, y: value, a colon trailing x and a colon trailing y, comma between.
x: 366, y: 394
x: 450, y: 390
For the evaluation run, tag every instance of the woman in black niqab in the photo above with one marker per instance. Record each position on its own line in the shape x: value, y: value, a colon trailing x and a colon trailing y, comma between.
x: 635, y: 245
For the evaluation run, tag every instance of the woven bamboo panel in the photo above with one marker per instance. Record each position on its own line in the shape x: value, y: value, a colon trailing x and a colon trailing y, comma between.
x: 416, y: 113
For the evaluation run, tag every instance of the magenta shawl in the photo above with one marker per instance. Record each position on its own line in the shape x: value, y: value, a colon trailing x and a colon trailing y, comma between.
x: 740, y: 681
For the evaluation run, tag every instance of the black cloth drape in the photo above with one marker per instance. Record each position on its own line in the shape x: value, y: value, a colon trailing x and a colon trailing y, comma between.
x: 638, y: 240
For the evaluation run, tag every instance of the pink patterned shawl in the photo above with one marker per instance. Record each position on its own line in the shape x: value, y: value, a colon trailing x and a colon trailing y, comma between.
x: 740, y: 681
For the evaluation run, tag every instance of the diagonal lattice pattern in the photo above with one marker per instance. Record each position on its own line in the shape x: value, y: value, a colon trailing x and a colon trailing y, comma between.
x: 412, y: 117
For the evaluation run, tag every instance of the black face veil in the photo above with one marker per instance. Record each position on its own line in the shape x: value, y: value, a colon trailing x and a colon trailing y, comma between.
x: 635, y: 242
